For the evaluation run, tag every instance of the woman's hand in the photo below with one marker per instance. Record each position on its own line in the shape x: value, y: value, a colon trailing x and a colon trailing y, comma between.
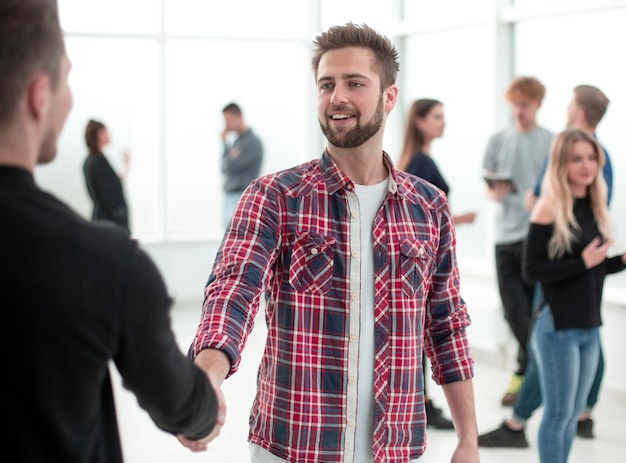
x: 595, y: 252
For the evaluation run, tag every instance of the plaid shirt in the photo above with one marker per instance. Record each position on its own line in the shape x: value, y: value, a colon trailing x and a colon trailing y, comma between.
x: 292, y: 242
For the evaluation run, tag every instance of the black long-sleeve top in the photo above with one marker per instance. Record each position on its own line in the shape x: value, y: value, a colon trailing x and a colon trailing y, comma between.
x: 106, y: 190
x: 424, y: 167
x: 76, y: 298
x: 573, y: 292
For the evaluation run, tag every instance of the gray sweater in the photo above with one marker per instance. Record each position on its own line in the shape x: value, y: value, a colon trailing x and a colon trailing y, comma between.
x: 518, y: 156
x: 241, y: 162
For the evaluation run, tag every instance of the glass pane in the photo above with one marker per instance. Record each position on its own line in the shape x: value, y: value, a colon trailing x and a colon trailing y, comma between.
x: 114, y: 81
x: 374, y: 13
x: 429, y: 14
x: 272, y: 83
x: 112, y: 16
x: 237, y: 18
x: 439, y: 65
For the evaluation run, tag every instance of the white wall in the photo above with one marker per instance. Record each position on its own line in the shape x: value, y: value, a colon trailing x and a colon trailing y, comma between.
x: 159, y: 72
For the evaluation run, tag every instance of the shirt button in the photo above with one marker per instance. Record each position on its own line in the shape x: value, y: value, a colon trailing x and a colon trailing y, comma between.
x: 314, y: 251
x: 350, y: 422
x: 353, y: 338
x: 352, y: 380
x: 421, y: 251
x: 354, y: 296
x: 355, y: 254
x: 354, y: 214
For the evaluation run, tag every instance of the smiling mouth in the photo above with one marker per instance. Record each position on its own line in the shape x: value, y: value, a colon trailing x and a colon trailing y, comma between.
x: 340, y: 117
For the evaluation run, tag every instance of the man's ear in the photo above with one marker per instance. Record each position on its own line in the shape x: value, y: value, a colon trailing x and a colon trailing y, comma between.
x: 38, y: 94
x: 390, y: 97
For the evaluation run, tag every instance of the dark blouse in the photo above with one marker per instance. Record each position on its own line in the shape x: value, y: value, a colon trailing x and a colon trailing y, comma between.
x: 573, y: 292
x: 423, y: 166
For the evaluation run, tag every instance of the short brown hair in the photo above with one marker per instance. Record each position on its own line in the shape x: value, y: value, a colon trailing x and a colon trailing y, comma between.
x: 91, y: 135
x: 232, y: 108
x: 363, y: 36
x: 525, y: 88
x: 593, y: 103
x: 31, y: 41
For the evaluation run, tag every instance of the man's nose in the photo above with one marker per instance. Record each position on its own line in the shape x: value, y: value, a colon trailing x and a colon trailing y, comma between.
x: 339, y: 96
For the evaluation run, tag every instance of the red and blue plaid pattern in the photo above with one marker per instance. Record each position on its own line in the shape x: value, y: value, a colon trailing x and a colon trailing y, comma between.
x: 289, y: 241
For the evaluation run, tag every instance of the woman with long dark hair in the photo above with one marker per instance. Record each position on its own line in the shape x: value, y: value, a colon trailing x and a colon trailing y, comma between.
x: 424, y: 123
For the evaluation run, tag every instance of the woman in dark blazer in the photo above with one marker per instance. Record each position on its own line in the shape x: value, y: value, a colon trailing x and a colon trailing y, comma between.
x: 103, y: 183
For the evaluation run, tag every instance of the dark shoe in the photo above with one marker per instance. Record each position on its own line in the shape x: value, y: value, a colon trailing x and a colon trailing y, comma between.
x: 435, y: 419
x: 509, y: 399
x: 585, y: 429
x: 503, y: 437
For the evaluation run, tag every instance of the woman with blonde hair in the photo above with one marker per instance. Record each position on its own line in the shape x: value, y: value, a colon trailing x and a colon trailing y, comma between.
x: 566, y: 252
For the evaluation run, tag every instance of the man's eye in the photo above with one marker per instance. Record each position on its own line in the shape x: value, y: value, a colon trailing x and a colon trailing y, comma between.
x: 356, y: 84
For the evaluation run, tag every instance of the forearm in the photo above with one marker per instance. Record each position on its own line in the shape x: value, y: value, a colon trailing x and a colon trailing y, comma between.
x: 460, y: 398
x: 215, y: 364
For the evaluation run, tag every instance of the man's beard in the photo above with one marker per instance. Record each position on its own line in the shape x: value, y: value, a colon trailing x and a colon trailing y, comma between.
x: 358, y: 135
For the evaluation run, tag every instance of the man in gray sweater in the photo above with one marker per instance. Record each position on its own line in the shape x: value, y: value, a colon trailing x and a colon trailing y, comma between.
x: 241, y: 160
x: 512, y: 163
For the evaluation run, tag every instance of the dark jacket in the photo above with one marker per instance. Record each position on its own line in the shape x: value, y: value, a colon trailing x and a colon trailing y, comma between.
x: 78, y: 297
x: 106, y: 191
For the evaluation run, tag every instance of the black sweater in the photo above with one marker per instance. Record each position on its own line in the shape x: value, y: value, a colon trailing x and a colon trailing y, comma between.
x: 573, y: 292
x: 77, y: 297
x: 106, y: 191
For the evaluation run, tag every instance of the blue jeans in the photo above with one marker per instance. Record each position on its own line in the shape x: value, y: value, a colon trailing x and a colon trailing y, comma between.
x: 529, y: 397
x: 567, y: 361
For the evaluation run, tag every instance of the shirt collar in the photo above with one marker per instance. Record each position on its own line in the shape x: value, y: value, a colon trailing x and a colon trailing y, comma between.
x: 336, y: 179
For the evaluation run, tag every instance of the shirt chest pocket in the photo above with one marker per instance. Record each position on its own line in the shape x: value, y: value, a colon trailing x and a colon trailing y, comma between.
x: 417, y: 266
x: 311, y: 266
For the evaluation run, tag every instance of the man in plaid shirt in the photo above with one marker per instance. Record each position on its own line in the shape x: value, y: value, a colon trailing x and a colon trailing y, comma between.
x: 357, y: 261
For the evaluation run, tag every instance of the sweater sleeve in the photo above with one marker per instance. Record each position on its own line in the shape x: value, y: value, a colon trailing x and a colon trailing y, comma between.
x: 176, y: 394
x: 536, y: 264
x: 615, y: 264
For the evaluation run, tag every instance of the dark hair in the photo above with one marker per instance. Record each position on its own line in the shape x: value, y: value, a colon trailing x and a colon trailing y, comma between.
x: 413, y: 136
x: 593, y: 103
x: 31, y: 41
x: 353, y: 35
x: 91, y: 135
x: 232, y: 108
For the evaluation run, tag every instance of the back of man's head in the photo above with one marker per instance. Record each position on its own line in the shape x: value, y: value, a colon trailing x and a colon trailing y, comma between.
x: 31, y: 42
x: 592, y: 101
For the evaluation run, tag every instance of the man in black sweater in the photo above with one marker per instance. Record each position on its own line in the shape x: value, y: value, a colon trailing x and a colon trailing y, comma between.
x: 76, y: 296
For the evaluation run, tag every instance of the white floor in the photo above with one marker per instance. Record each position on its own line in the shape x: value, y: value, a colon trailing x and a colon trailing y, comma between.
x: 144, y: 443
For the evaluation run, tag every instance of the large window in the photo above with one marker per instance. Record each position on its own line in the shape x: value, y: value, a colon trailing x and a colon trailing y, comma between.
x: 158, y: 72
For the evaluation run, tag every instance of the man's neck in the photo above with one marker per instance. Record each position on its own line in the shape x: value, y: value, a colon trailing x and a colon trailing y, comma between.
x: 364, y: 165
x: 526, y: 128
x: 16, y: 154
